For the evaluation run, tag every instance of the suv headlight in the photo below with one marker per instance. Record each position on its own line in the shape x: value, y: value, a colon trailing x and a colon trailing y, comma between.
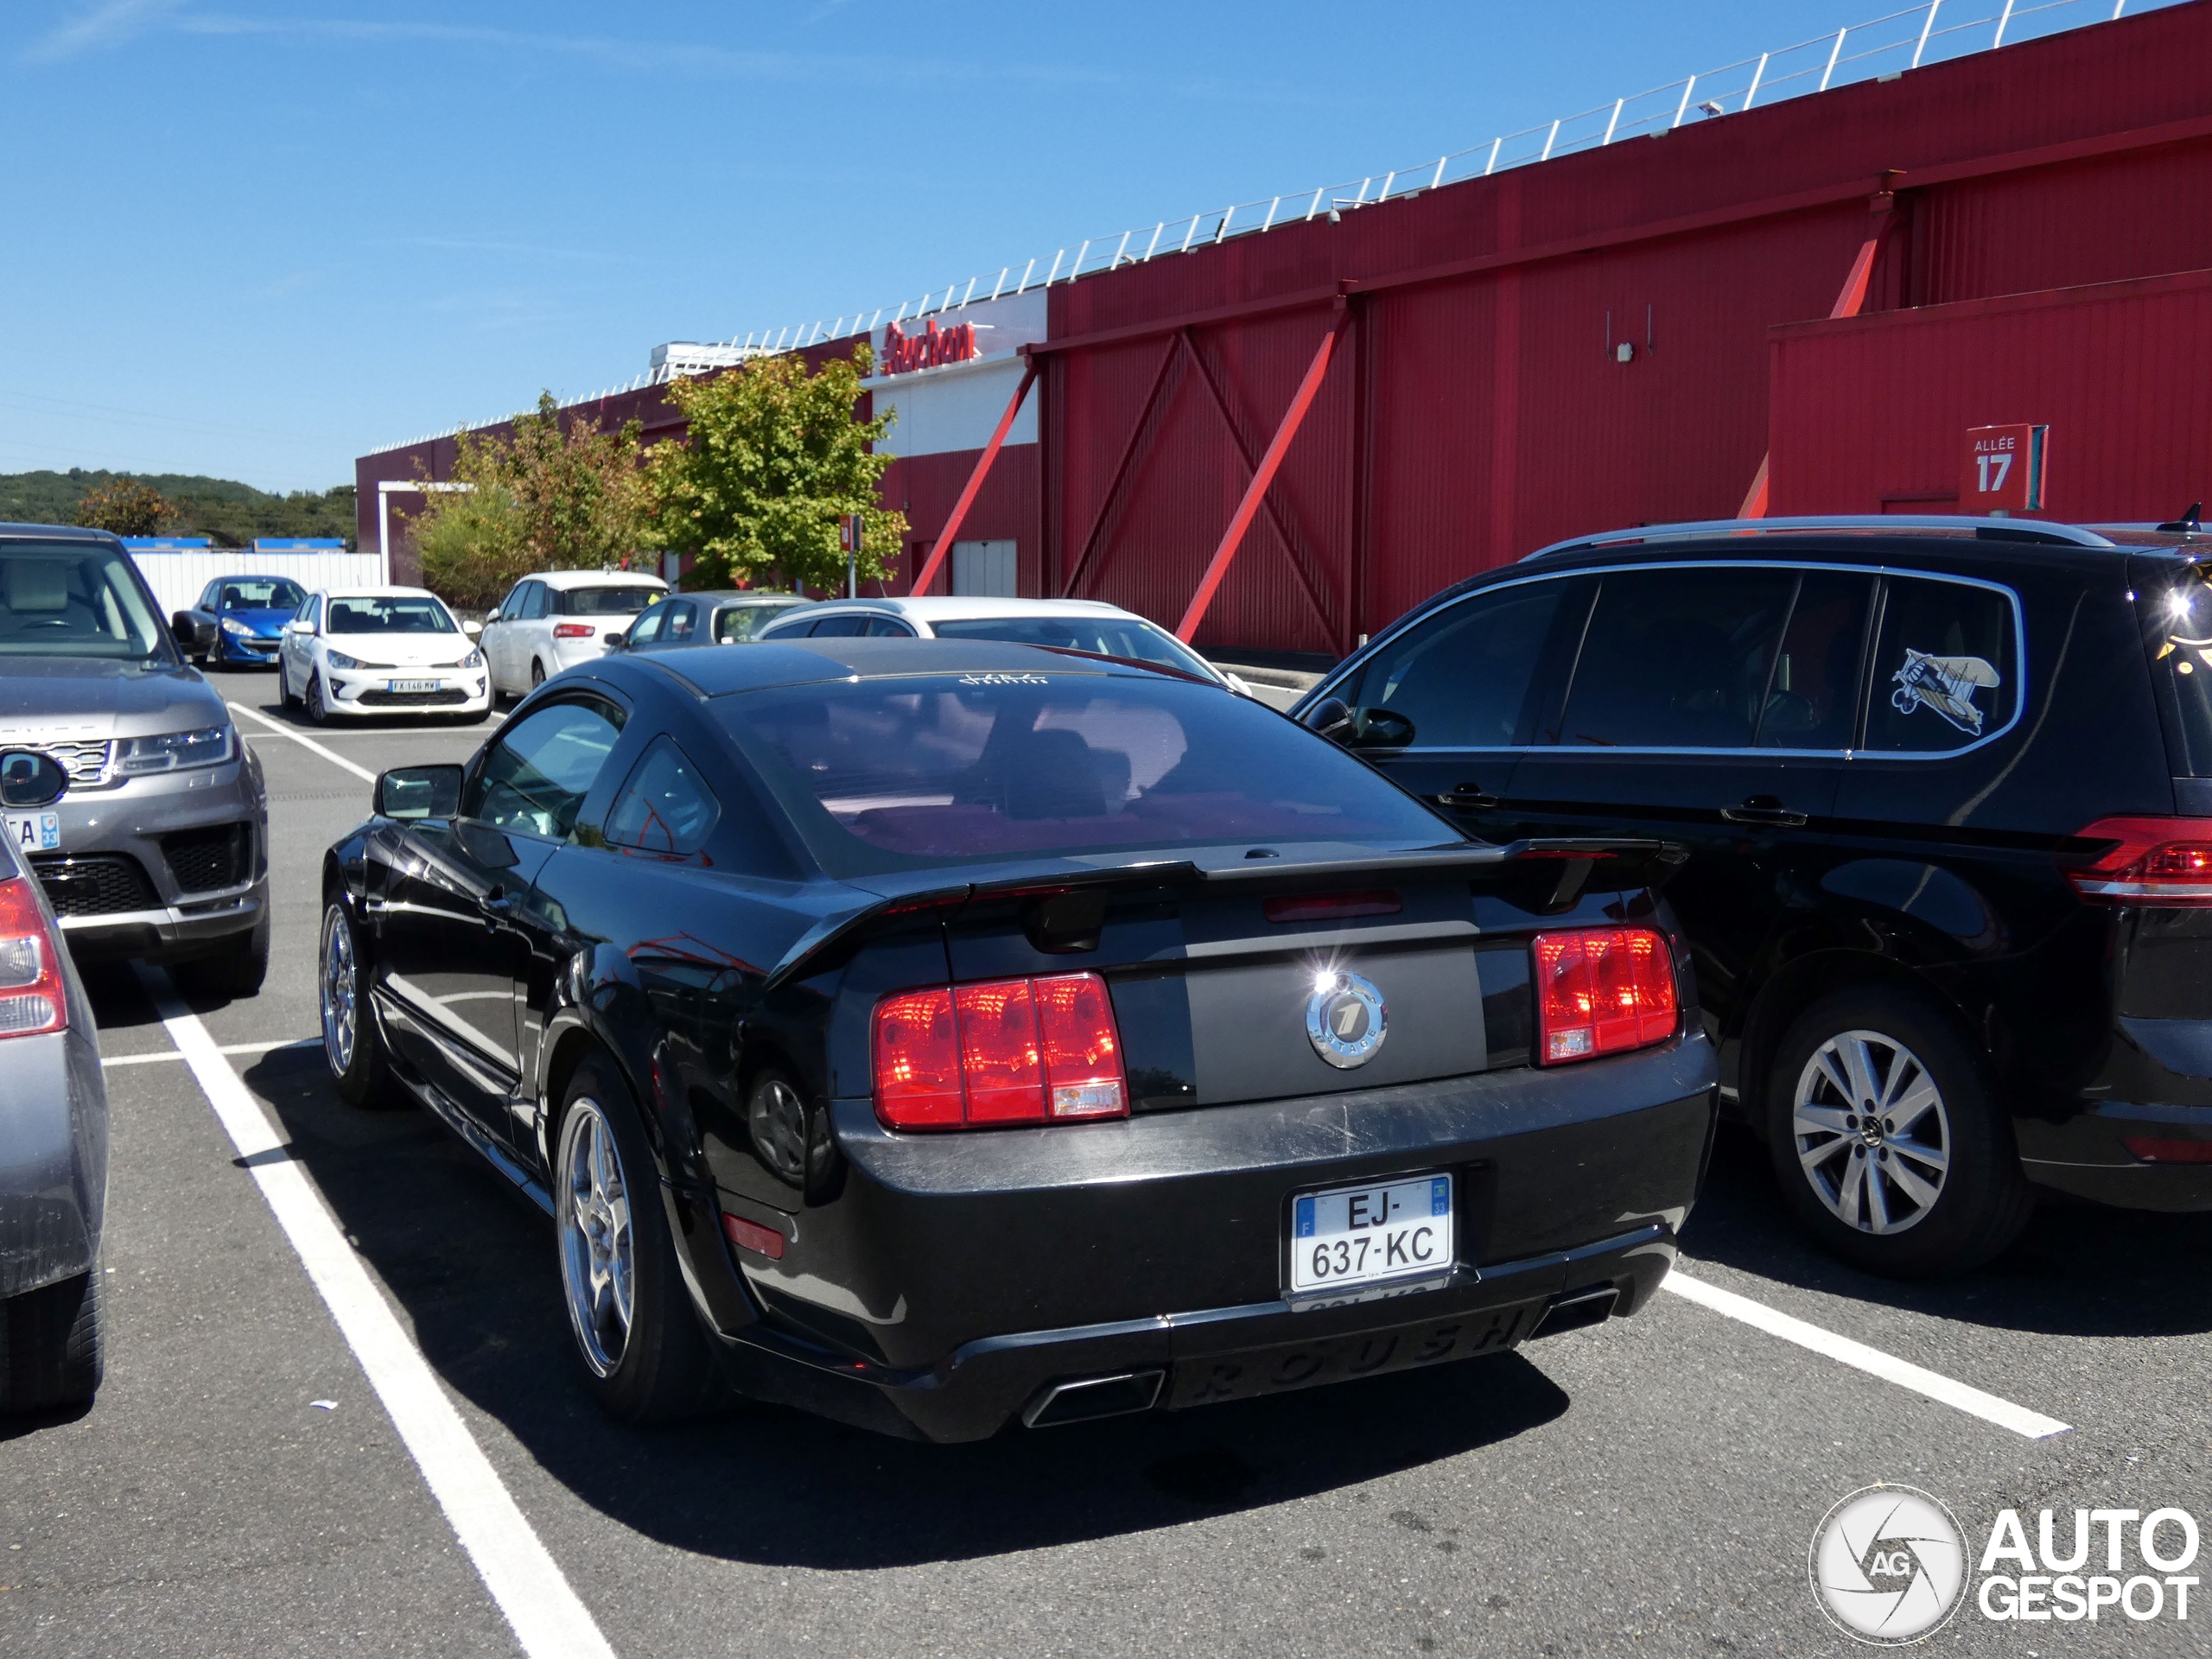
x: 339, y: 659
x: 232, y: 625
x: 170, y: 751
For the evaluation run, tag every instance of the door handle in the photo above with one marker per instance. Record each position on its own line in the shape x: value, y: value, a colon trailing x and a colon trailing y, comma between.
x: 1469, y: 797
x: 496, y: 903
x: 1763, y: 810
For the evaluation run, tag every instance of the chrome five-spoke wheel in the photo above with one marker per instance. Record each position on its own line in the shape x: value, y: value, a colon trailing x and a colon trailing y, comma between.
x: 593, y: 1212
x: 1871, y: 1135
x: 340, y: 992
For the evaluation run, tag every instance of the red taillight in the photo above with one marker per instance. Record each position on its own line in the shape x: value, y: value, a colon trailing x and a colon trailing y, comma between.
x: 32, y: 998
x: 1600, y: 990
x: 2153, y: 1150
x: 752, y: 1236
x: 2151, y: 861
x: 1331, y: 907
x: 1008, y: 1051
x: 572, y: 630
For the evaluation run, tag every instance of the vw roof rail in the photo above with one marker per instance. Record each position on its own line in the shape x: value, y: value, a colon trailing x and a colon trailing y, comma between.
x: 1994, y: 530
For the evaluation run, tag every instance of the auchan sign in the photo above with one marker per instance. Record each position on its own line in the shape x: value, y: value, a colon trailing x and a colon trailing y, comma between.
x: 933, y: 348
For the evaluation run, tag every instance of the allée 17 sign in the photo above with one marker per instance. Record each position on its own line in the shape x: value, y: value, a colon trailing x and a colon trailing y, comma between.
x: 933, y: 348
x: 2004, y: 470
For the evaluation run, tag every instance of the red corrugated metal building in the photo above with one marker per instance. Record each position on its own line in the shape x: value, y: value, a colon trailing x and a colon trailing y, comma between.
x: 1614, y: 337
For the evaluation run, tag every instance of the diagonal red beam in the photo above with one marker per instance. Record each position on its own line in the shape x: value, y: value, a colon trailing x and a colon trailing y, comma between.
x: 1121, y: 471
x: 943, y: 544
x: 1266, y: 502
x: 1233, y: 538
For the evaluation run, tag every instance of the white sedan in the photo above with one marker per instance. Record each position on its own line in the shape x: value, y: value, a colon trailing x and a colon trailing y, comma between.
x: 381, y: 651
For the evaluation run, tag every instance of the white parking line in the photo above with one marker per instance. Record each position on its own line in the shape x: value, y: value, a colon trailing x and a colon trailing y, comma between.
x: 549, y: 1620
x: 331, y: 755
x: 228, y: 1048
x: 1872, y: 1361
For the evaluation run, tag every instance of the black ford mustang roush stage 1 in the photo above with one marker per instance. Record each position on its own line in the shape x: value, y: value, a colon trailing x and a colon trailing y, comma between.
x: 937, y: 1034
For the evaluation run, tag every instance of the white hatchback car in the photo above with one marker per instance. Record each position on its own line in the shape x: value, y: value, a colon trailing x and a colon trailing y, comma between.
x: 557, y: 618
x: 1089, y: 625
x: 380, y: 651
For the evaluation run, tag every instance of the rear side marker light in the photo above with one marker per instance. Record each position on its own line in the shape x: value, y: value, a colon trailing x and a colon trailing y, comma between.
x: 1331, y: 907
x: 32, y: 998
x: 2162, y: 861
x: 1007, y: 1050
x: 752, y: 1236
x: 1602, y: 990
x: 572, y: 630
x: 2152, y: 1150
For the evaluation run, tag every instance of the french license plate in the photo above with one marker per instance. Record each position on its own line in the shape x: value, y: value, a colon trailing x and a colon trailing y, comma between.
x: 1365, y: 1240
x: 35, y: 832
x: 411, y: 685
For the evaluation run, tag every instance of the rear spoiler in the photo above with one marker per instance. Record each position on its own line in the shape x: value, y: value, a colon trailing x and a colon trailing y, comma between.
x: 1643, y: 861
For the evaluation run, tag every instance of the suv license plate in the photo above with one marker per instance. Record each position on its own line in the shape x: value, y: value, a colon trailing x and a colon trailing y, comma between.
x: 35, y: 832
x: 411, y: 685
x: 1371, y: 1240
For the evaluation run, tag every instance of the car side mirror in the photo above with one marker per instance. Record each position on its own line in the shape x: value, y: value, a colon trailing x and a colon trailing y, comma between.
x: 412, y: 792
x: 1332, y: 718
x: 299, y: 624
x: 473, y: 630
x: 490, y: 616
x: 191, y: 631
x: 618, y: 640
x: 29, y: 779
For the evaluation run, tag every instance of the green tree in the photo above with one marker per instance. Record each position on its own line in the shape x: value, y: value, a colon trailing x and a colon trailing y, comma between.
x: 773, y: 458
x: 555, y: 495
x: 124, y: 508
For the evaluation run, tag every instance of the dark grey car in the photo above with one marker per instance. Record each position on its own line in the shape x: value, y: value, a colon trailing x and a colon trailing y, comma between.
x: 729, y: 618
x: 160, y: 848
x: 53, y: 1134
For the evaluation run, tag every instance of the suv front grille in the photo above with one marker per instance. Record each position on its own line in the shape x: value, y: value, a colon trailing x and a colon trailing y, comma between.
x: 85, y: 761
x: 219, y: 856
x: 98, y: 884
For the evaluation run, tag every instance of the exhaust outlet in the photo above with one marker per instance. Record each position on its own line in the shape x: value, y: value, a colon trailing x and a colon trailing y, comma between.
x: 1087, y: 1398
x: 1577, y: 1309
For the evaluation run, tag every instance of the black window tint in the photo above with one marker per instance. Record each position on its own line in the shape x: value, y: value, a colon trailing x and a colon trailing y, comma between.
x: 1459, y: 679
x: 1676, y: 659
x: 665, y: 807
x: 2178, y: 625
x: 839, y: 627
x: 534, y: 778
x: 1812, y: 699
x: 1943, y: 667
x: 884, y: 627
x: 646, y: 628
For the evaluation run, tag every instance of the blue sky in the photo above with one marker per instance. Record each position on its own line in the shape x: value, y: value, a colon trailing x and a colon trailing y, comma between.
x: 258, y: 238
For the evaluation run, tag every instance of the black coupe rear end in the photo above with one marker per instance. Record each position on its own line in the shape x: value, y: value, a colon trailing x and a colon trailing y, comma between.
x: 1009, y: 1034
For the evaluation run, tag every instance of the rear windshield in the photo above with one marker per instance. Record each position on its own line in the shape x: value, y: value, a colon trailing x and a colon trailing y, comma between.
x: 75, y: 599
x: 378, y: 615
x: 606, y: 601
x: 275, y: 594
x: 2178, y: 623
x: 1126, y: 636
x: 893, y: 774
x: 743, y: 621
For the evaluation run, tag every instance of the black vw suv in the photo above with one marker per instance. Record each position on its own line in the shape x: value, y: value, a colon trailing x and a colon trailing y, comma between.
x: 1945, y: 786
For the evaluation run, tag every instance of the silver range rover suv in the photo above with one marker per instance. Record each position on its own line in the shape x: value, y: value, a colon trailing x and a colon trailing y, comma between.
x: 159, y: 850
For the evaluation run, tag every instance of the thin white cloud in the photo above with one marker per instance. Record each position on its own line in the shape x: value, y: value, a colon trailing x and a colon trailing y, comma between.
x: 97, y: 28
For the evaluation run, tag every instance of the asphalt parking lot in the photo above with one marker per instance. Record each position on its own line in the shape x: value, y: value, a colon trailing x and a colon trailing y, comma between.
x: 1647, y: 1485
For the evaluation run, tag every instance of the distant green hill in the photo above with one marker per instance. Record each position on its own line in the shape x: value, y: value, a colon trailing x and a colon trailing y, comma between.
x: 229, y: 512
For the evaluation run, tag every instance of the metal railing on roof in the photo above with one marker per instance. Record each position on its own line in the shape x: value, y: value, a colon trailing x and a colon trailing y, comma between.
x: 1880, y: 49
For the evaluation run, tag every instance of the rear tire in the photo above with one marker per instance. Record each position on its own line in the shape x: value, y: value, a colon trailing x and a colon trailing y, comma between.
x: 537, y: 673
x: 1887, y: 1142
x: 351, y: 1046
x: 235, y: 970
x: 645, y: 1359
x: 53, y: 1350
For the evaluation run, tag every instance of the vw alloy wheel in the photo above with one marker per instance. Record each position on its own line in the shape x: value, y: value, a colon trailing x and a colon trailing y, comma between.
x: 1871, y: 1135
x: 593, y: 1212
x: 340, y: 992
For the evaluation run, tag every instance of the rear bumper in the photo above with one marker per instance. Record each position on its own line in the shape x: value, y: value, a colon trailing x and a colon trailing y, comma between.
x: 2161, y: 1069
x: 955, y: 1279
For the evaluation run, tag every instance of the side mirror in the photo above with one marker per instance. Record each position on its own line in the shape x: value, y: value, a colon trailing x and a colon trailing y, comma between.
x: 473, y: 630
x: 29, y: 779
x: 299, y: 624
x: 490, y: 616
x: 1332, y: 718
x: 618, y: 640
x: 191, y: 631
x: 411, y: 792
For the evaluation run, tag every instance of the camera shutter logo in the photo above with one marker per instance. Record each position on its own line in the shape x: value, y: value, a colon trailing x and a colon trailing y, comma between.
x: 1888, y: 1565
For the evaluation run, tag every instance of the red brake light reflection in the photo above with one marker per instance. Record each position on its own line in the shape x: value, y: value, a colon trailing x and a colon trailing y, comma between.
x: 1601, y: 990
x: 1009, y: 1050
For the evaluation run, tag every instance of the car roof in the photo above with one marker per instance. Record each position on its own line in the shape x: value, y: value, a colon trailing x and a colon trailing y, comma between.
x: 59, y: 532
x: 371, y: 591
x: 948, y: 607
x: 565, y: 580
x: 727, y: 597
x: 803, y: 661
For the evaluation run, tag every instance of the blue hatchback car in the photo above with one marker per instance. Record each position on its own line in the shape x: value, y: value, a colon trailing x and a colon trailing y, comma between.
x: 246, y: 616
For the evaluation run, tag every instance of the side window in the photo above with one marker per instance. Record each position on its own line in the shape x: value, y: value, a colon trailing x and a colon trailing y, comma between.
x: 533, y: 600
x: 1676, y: 659
x: 1459, y: 679
x: 1812, y: 698
x: 534, y: 779
x: 511, y: 606
x: 681, y: 616
x: 313, y: 614
x: 839, y: 627
x: 206, y: 600
x: 665, y: 807
x: 646, y: 628
x: 885, y: 627
x: 1944, y: 667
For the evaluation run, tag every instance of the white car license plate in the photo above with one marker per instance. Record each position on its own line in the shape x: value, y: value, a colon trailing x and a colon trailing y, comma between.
x: 411, y: 685
x: 35, y: 832
x: 1356, y: 1238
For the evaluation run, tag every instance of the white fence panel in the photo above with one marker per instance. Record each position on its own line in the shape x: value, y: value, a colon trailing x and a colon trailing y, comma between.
x: 177, y: 577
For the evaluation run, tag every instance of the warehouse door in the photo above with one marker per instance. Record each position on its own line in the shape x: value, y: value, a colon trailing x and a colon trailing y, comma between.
x: 984, y: 570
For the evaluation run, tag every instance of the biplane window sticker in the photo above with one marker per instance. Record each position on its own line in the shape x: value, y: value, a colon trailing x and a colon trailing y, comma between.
x: 1945, y: 685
